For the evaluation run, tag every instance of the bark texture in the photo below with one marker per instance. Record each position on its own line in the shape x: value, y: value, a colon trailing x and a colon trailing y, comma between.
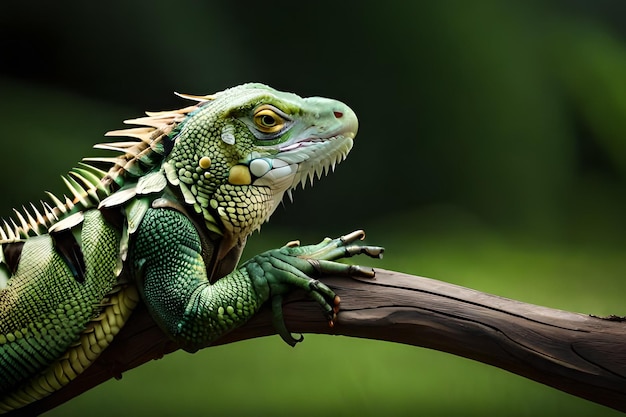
x: 579, y: 354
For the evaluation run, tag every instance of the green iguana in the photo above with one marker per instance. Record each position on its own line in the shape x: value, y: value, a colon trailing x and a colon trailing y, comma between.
x: 166, y: 224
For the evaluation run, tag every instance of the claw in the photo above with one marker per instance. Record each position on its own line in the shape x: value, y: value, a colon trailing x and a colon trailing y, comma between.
x: 332, y: 320
x: 279, y: 322
x: 298, y: 266
x: 333, y: 317
x: 351, y: 237
x: 374, y: 251
x: 362, y: 271
x: 371, y: 251
x: 292, y: 244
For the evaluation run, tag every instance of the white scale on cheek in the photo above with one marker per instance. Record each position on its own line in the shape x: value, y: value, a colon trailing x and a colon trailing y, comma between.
x: 228, y: 134
x: 260, y: 167
x: 278, y: 178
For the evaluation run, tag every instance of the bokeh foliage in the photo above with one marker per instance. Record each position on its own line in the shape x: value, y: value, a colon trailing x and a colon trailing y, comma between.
x: 491, y: 154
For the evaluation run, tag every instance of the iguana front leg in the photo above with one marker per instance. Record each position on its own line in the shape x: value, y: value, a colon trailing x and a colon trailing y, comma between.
x: 175, y: 286
x: 292, y: 266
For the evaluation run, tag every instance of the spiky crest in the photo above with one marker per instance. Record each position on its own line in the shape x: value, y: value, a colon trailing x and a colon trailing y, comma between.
x: 89, y: 185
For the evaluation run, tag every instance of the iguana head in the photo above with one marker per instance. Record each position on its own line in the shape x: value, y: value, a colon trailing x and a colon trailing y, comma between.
x: 236, y: 155
x: 232, y: 155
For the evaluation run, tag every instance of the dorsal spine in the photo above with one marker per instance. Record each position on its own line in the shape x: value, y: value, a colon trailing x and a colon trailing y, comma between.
x: 89, y: 185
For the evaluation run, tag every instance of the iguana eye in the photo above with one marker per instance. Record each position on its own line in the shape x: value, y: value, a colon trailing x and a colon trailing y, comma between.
x: 267, y: 120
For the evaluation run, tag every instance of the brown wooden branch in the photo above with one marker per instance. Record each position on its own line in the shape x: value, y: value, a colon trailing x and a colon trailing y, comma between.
x: 579, y: 354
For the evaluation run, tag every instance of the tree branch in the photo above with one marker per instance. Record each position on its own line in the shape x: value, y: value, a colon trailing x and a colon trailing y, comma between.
x: 579, y: 354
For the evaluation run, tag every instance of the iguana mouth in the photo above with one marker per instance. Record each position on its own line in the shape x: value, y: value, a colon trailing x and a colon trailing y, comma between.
x: 315, y: 157
x: 315, y: 139
x: 305, y: 142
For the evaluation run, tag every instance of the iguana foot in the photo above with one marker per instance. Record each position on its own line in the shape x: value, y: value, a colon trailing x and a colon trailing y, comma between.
x: 293, y: 266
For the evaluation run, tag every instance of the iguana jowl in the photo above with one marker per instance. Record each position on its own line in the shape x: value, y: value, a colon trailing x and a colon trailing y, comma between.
x: 167, y: 224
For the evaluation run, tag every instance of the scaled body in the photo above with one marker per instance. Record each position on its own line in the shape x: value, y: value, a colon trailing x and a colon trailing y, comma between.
x: 167, y: 221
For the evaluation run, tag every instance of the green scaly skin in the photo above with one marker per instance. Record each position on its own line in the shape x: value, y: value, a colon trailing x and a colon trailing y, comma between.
x: 168, y: 221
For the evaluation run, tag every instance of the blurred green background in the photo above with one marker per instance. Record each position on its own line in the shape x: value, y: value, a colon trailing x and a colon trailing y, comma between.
x: 491, y: 154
